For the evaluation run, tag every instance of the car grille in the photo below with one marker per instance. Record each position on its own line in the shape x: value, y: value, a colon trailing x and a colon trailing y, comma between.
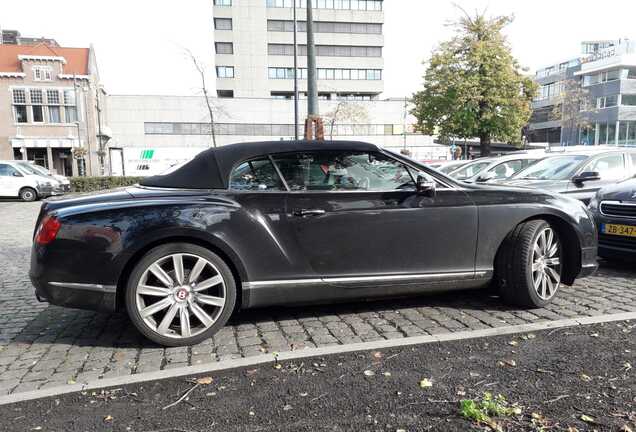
x: 617, y: 241
x: 613, y: 208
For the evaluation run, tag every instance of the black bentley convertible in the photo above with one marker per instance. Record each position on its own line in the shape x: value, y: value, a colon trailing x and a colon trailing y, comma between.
x: 258, y: 224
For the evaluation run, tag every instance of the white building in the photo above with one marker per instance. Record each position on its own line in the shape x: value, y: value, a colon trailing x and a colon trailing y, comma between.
x: 175, y: 128
x: 253, y: 42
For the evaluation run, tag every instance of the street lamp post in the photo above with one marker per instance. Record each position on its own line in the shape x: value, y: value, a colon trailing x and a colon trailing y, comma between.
x: 312, y: 91
x: 295, y: 75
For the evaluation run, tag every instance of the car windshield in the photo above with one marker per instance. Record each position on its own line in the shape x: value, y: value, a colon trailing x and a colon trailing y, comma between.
x: 553, y: 168
x: 34, y: 169
x: 446, y: 169
x: 470, y: 170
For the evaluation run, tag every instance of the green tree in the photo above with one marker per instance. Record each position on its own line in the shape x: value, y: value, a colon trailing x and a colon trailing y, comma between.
x: 474, y: 87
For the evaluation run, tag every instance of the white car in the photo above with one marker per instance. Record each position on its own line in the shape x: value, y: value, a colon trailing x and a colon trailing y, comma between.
x: 64, y: 182
x: 15, y: 181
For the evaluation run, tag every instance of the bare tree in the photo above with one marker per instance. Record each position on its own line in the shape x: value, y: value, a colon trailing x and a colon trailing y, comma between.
x: 573, y: 112
x: 346, y: 112
x: 204, y: 89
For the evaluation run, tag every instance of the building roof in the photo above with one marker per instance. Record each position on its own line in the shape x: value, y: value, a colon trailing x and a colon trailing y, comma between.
x: 76, y: 58
x: 211, y: 168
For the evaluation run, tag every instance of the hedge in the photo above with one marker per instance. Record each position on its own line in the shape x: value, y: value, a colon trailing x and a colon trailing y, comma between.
x: 89, y: 184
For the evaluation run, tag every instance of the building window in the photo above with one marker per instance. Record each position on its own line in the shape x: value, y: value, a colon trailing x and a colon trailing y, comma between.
x: 70, y: 107
x: 36, y: 105
x: 222, y: 2
x: 224, y: 47
x: 327, y: 74
x: 607, y: 101
x: 325, y: 27
x: 42, y: 73
x: 222, y: 23
x: 607, y: 76
x: 225, y: 93
x: 19, y: 105
x: 326, y: 50
x: 629, y: 100
x: 631, y: 73
x: 627, y: 135
x: 225, y: 71
x: 53, y: 106
x: 369, y: 5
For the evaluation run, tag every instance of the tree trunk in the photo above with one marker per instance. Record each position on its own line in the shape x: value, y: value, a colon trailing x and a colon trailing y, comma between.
x: 484, y: 145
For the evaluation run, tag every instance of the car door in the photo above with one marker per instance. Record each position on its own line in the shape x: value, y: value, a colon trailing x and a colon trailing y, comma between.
x: 357, y: 215
x: 10, y: 181
x: 611, y: 169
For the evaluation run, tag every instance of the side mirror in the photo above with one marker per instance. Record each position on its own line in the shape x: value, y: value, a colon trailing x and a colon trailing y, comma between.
x: 586, y: 176
x: 425, y: 187
x: 16, y: 174
x: 486, y: 177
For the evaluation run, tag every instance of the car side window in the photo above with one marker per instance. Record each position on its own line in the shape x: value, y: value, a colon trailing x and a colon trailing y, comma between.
x: 257, y: 174
x: 343, y: 171
x: 610, y: 167
x: 7, y: 170
x: 507, y: 169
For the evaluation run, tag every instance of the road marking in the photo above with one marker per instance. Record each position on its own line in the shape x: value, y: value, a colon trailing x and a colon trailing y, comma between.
x: 312, y: 352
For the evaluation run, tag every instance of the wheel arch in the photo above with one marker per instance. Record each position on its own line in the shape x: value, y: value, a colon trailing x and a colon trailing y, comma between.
x: 224, y: 252
x: 567, y: 235
x: 37, y: 195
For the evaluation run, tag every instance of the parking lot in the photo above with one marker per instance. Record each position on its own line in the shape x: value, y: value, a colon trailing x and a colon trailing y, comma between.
x: 44, y: 346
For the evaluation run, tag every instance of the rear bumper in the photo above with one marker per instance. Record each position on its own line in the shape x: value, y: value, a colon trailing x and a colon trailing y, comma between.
x: 76, y: 295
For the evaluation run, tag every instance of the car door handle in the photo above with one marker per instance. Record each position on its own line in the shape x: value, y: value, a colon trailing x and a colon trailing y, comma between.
x: 308, y: 212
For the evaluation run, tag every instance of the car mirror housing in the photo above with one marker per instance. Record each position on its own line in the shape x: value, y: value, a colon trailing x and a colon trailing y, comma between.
x: 17, y: 174
x: 486, y: 177
x: 586, y: 176
x: 425, y: 187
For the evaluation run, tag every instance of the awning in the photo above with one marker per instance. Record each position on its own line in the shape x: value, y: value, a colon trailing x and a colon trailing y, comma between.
x: 45, y: 142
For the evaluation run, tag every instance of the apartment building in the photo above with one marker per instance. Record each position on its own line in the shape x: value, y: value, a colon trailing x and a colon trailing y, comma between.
x: 253, y: 41
x: 50, y: 98
x: 604, y: 78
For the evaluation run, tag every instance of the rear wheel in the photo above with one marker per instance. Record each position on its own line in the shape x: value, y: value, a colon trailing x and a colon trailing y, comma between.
x: 529, y: 266
x: 180, y: 294
x: 28, y: 194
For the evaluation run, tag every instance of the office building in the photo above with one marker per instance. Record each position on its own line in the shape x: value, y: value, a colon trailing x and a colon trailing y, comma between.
x: 253, y: 41
x: 603, y: 80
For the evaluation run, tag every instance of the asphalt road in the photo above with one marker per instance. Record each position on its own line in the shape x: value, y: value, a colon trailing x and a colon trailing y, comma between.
x: 580, y: 378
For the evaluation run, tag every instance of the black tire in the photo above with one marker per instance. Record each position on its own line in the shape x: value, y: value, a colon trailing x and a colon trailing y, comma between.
x: 28, y: 194
x: 166, y: 250
x: 514, y: 265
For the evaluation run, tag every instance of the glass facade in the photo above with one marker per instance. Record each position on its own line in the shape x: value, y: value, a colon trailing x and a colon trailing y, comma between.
x: 327, y: 74
x: 258, y: 129
x: 369, y: 5
x: 325, y: 27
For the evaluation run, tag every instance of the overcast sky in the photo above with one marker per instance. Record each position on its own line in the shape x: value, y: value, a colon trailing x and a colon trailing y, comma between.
x: 140, y: 43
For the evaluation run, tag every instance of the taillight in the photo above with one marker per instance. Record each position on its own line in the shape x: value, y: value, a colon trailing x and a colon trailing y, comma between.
x: 48, y: 230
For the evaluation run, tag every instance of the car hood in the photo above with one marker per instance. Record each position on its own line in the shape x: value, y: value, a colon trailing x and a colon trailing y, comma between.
x: 622, y: 191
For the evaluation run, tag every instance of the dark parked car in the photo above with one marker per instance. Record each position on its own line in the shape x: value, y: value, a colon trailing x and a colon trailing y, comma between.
x: 578, y: 174
x: 258, y: 224
x: 614, y: 209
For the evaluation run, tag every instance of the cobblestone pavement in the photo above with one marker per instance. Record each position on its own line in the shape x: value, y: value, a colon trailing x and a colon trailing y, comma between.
x: 44, y: 346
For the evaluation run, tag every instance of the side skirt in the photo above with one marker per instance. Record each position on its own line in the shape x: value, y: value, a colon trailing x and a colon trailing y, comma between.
x: 314, y: 291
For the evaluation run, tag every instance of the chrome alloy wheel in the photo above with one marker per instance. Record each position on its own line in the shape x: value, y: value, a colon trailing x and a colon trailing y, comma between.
x: 180, y: 295
x: 546, y: 264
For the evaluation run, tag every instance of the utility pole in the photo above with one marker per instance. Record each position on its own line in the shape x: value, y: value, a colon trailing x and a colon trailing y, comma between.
x: 313, y: 124
x: 295, y: 75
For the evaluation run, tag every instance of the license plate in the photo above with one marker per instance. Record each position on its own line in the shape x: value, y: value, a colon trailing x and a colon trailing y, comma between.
x: 619, y: 230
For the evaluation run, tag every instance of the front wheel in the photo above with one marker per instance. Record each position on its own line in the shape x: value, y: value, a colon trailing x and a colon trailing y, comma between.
x: 529, y: 267
x: 28, y: 194
x: 180, y: 294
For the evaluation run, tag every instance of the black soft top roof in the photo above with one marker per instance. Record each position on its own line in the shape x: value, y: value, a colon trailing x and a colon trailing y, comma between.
x: 211, y: 168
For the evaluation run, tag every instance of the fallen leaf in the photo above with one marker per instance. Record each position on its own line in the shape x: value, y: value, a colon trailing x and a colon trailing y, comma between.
x: 108, y: 418
x: 71, y: 382
x: 303, y: 394
x: 426, y: 383
x: 513, y: 343
x: 627, y: 366
x: 278, y: 366
x: 625, y: 428
x: 252, y: 413
x: 377, y: 355
x: 37, y: 428
x: 369, y: 373
x: 474, y: 374
x: 587, y: 418
x: 287, y: 407
x: 507, y: 362
x: 586, y: 378
x: 572, y: 429
x: 594, y: 335
x: 204, y: 380
x: 386, y: 374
